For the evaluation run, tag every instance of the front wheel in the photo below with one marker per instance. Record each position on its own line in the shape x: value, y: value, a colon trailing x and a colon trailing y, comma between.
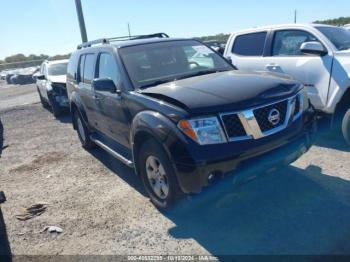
x: 157, y: 175
x: 346, y: 126
x: 42, y: 101
x: 55, y: 107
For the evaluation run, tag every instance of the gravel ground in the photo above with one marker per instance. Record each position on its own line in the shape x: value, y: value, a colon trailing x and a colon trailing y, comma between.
x: 100, y: 204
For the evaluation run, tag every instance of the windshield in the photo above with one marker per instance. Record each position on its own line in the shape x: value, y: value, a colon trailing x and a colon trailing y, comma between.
x: 156, y: 63
x: 339, y: 36
x: 57, y: 69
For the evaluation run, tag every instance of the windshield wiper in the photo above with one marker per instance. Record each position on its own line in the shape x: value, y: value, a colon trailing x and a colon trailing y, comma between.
x: 158, y: 82
x: 203, y: 72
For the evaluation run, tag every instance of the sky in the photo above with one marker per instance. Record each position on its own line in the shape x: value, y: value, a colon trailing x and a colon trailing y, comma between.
x: 51, y: 26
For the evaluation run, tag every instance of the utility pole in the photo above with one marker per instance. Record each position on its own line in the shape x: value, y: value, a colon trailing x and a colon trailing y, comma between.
x: 295, y: 16
x: 129, y: 29
x: 81, y: 21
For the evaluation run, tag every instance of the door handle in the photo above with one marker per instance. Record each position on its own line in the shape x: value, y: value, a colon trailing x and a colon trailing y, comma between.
x: 274, y: 68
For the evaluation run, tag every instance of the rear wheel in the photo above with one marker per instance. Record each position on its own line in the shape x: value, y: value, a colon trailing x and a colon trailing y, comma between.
x: 83, y: 132
x: 346, y: 126
x: 157, y: 175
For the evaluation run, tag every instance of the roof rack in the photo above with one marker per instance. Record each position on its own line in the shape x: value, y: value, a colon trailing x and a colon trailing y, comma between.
x: 121, y: 38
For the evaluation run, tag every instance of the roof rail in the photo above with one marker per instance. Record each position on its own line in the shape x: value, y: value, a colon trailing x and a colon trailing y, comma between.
x: 121, y: 38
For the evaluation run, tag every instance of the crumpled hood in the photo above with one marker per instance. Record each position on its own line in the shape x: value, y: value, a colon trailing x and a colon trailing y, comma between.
x: 225, y: 91
x: 58, y: 79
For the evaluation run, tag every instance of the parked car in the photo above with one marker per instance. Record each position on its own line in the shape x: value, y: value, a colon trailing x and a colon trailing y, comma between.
x: 51, y: 85
x: 316, y: 55
x: 9, y: 74
x: 218, y: 46
x: 182, y: 123
x: 23, y: 76
x: 3, y: 75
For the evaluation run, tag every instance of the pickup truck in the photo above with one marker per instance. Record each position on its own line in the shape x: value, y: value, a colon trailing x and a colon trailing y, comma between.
x: 180, y: 114
x: 316, y: 55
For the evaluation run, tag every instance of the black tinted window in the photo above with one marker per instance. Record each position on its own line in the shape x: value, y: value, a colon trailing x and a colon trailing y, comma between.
x: 250, y: 44
x: 288, y: 42
x: 89, y: 68
x: 107, y: 68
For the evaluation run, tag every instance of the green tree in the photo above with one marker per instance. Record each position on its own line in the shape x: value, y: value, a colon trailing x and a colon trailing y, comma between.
x: 219, y: 37
x: 336, y: 21
x: 15, y: 58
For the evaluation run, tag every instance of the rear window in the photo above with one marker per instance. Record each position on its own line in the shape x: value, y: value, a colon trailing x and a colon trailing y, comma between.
x: 250, y: 44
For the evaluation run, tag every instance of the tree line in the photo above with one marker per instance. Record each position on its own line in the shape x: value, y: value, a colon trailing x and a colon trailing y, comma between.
x: 22, y: 58
x: 337, y: 21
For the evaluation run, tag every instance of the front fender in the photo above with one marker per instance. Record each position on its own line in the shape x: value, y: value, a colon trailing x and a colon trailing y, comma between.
x: 156, y: 125
x: 165, y: 132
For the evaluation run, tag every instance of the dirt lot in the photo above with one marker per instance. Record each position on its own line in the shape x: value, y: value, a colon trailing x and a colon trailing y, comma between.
x: 100, y: 204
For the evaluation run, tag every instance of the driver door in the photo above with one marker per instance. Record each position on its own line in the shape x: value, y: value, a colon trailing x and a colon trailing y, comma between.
x: 314, y: 71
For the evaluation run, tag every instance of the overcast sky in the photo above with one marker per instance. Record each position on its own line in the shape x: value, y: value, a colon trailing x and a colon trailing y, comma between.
x: 51, y: 27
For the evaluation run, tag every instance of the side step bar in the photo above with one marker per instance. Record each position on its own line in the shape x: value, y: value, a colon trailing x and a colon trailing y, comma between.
x: 109, y: 150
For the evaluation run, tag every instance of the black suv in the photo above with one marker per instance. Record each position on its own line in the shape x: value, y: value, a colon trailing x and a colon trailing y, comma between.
x: 180, y: 114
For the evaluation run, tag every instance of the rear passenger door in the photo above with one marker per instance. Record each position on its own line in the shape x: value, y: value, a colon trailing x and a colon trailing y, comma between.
x: 110, y: 106
x: 86, y: 73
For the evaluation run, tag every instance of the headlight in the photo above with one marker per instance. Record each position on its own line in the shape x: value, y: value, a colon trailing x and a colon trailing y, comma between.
x: 205, y: 131
x: 48, y: 86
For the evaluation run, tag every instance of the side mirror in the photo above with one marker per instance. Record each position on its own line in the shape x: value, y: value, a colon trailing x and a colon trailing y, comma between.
x: 40, y: 77
x: 313, y: 48
x: 104, y: 85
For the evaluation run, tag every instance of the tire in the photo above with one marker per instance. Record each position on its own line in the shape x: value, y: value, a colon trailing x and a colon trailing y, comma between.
x: 158, y: 176
x: 82, y: 130
x: 55, y: 107
x: 346, y: 127
x: 42, y: 101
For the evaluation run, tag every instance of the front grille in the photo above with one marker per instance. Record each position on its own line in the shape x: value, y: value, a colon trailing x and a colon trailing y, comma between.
x: 256, y: 123
x: 59, y: 88
x: 233, y: 125
x: 262, y: 115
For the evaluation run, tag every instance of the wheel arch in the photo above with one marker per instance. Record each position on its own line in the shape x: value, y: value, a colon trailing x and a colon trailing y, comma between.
x: 77, y: 105
x: 343, y: 104
x: 153, y: 125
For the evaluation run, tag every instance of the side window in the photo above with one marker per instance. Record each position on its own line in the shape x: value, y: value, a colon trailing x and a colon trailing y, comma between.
x: 72, y: 67
x: 107, y: 67
x: 42, y: 69
x: 81, y: 68
x: 250, y: 44
x: 288, y: 42
x: 89, y: 68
